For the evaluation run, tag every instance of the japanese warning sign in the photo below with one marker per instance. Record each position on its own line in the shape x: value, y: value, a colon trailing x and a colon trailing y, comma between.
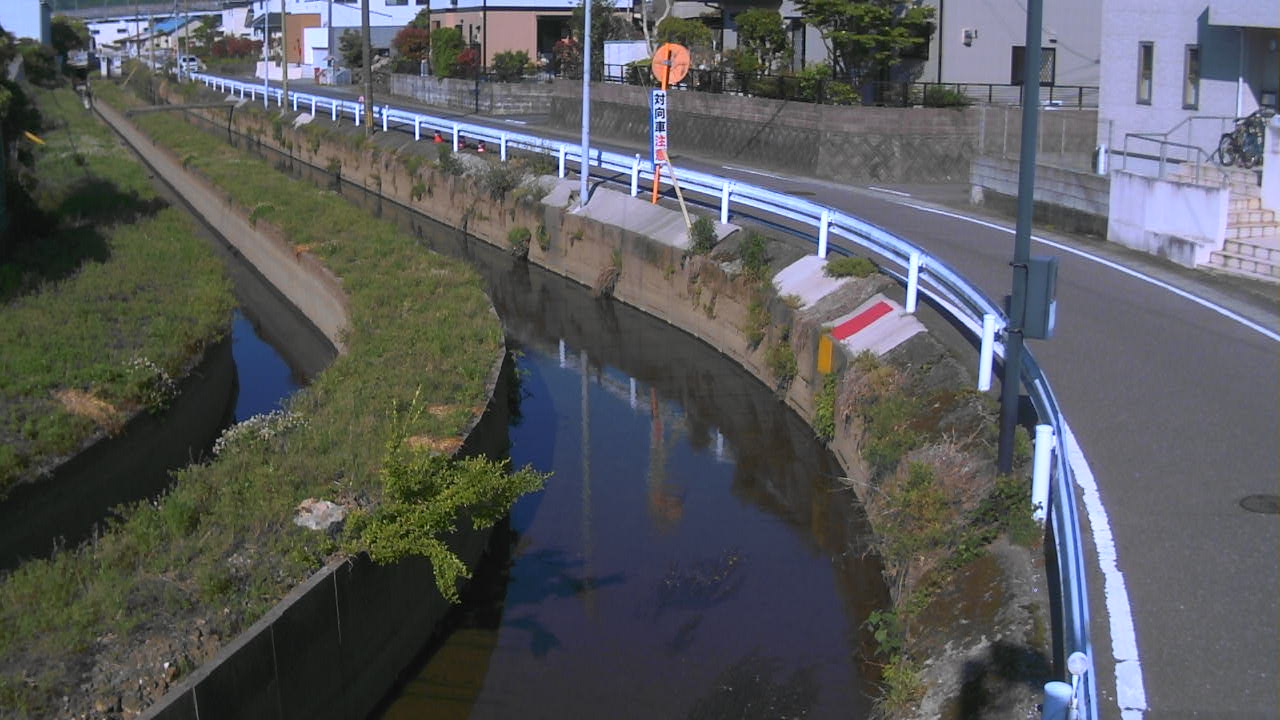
x: 658, y: 124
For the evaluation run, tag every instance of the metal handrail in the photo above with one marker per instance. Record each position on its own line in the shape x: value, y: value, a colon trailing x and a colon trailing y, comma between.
x: 917, y: 268
x: 1202, y: 159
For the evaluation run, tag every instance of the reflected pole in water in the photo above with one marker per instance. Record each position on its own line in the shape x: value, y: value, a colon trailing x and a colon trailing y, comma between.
x: 587, y: 590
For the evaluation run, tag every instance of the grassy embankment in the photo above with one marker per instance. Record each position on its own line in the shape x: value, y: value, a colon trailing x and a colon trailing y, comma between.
x: 105, y: 306
x: 220, y: 548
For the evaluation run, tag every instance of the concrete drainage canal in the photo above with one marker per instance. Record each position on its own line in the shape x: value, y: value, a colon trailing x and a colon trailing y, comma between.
x: 694, y: 552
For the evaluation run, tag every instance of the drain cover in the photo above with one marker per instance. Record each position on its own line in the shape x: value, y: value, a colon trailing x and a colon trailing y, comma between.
x: 1266, y: 504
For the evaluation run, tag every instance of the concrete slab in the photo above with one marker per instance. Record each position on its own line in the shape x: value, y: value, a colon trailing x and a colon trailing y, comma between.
x: 634, y: 214
x: 883, y: 333
x: 804, y: 278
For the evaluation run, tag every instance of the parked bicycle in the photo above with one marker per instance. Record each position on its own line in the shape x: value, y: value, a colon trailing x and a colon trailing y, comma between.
x: 1244, y: 143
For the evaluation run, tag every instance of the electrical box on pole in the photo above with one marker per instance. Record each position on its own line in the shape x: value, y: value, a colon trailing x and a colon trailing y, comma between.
x: 1042, y: 301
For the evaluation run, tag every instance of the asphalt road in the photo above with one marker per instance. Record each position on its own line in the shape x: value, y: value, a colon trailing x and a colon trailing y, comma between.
x: 1176, y: 408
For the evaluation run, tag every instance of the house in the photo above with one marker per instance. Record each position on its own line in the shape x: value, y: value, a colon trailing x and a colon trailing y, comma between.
x: 1188, y: 66
x: 27, y: 19
x: 984, y: 43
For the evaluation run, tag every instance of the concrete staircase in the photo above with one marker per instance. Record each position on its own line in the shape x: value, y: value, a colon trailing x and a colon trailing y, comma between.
x: 1252, y: 243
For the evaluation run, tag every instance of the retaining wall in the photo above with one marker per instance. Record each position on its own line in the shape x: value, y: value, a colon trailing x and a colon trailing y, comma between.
x: 847, y: 144
x: 1069, y: 200
x: 523, y: 98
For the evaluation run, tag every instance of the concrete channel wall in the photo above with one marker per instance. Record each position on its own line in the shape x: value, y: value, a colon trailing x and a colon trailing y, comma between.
x: 333, y: 647
x: 524, y: 98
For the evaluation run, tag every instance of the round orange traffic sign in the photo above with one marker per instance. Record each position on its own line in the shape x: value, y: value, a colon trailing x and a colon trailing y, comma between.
x: 670, y: 63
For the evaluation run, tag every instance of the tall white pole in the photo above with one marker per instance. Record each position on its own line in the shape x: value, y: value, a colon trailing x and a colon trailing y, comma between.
x: 586, y: 101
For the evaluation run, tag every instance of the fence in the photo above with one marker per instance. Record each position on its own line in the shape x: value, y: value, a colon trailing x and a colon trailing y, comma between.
x: 901, y: 259
x: 829, y: 91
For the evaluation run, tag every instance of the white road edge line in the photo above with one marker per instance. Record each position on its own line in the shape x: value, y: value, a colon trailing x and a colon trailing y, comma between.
x: 887, y: 190
x: 1131, y: 694
x: 1264, y: 331
x: 757, y: 172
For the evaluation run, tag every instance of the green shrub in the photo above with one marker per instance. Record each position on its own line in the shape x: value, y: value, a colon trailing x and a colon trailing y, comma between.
x: 824, y: 407
x: 757, y: 320
x: 940, y: 96
x: 702, y: 236
x: 499, y: 178
x: 847, y: 266
x: 511, y: 65
x: 518, y: 238
x: 446, y: 47
x: 755, y: 256
x: 446, y: 162
x: 781, y: 360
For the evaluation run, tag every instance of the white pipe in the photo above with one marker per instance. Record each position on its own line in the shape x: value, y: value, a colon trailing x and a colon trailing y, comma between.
x: 1040, y: 472
x: 987, y: 352
x: 913, y: 282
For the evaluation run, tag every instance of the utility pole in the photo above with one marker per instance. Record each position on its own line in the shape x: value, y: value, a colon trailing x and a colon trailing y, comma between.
x: 1011, y: 382
x: 368, y: 68
x: 586, y: 102
x: 284, y: 56
x: 331, y: 51
x: 266, y: 54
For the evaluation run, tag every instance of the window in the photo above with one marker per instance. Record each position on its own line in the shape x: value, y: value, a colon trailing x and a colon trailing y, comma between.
x: 1048, y: 65
x: 1191, y: 79
x: 391, y: 3
x: 1146, y: 61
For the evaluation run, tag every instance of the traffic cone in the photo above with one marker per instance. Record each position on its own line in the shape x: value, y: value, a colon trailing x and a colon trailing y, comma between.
x: 437, y: 138
x: 480, y: 146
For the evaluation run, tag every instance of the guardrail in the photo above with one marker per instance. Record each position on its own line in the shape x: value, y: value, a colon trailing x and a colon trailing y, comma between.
x: 907, y: 262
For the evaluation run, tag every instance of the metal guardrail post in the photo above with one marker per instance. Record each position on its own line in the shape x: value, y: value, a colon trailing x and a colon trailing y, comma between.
x: 824, y: 226
x: 417, y: 128
x: 357, y: 112
x: 455, y: 137
x: 987, y: 351
x: 635, y: 174
x: 295, y: 102
x: 913, y: 282
x: 502, y: 147
x: 1040, y: 472
x: 385, y: 110
x: 333, y: 111
x: 725, y: 189
x: 561, y: 171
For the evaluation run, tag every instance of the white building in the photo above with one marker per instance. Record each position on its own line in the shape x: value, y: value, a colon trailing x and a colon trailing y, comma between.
x: 1185, y: 65
x: 26, y: 19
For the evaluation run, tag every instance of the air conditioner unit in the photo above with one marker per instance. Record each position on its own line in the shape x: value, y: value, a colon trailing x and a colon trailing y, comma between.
x: 969, y: 35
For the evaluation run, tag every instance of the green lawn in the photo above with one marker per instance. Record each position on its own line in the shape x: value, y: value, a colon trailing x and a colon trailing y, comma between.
x: 115, y: 298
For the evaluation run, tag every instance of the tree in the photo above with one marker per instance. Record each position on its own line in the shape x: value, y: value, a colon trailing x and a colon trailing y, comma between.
x: 689, y: 32
x: 412, y: 42
x: 446, y: 47
x: 351, y: 48
x: 511, y: 65
x: 761, y: 33
x: 422, y: 20
x: 867, y: 37
x: 68, y: 34
x: 204, y: 34
x: 606, y: 24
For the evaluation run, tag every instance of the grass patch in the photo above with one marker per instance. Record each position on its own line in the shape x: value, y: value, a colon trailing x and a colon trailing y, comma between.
x: 702, y: 236
x: 755, y: 256
x: 848, y: 266
x: 220, y: 546
x: 96, y: 320
x: 824, y: 407
x: 781, y: 360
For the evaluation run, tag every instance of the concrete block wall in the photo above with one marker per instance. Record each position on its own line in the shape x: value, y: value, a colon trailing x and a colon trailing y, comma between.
x: 525, y: 98
x: 1069, y: 200
x: 848, y: 144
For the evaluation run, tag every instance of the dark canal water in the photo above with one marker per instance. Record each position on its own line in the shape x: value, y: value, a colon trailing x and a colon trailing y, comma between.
x: 693, y: 553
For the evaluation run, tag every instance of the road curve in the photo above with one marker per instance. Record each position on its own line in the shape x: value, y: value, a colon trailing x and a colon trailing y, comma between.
x: 1176, y: 408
